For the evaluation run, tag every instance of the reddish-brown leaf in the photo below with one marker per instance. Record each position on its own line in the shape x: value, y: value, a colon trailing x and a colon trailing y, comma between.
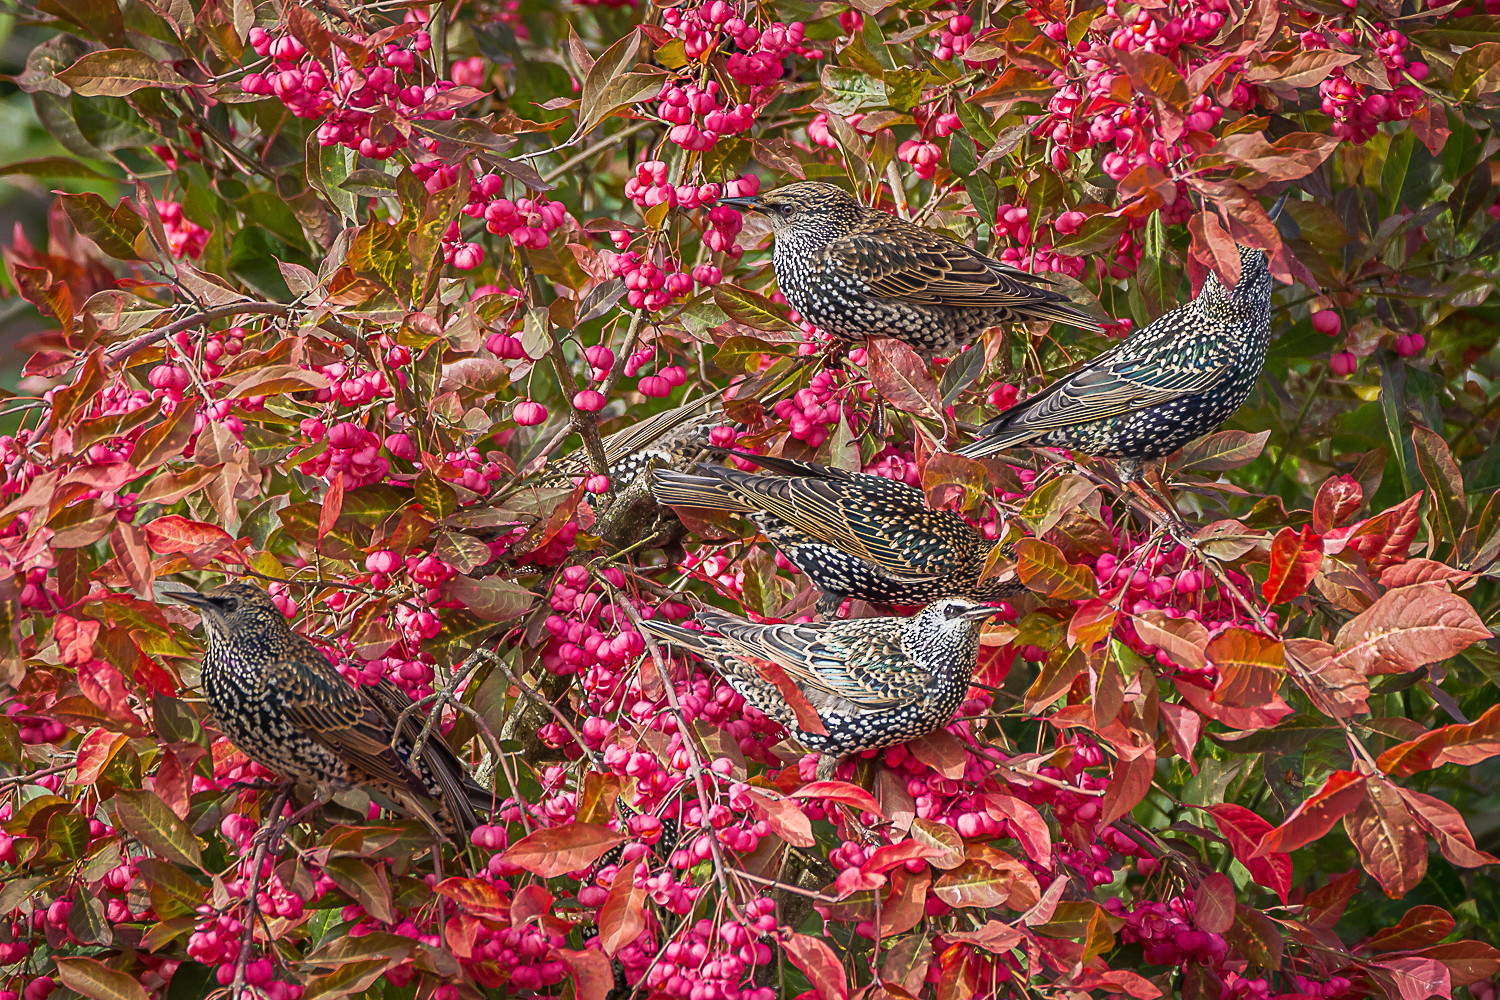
x: 1420, y: 926
x: 333, y: 505
x: 945, y: 848
x: 1213, y: 904
x: 819, y: 963
x: 1408, y: 628
x: 1295, y: 558
x: 1325, y: 904
x: 1045, y: 570
x: 888, y: 856
x: 1384, y: 539
x: 1390, y: 848
x: 941, y: 751
x: 1244, y: 830
x: 1091, y: 623
x: 95, y: 752
x: 1447, y: 827
x: 785, y: 817
x: 176, y: 535
x: 1026, y: 824
x: 560, y: 849
x: 476, y: 896
x: 1182, y: 639
x: 1128, y: 784
x: 1338, y: 497
x: 1340, y: 793
x: 592, y: 971
x: 1416, y: 978
x: 906, y: 904
x: 902, y: 377
x: 1421, y: 570
x: 839, y: 791
x: 1468, y: 962
x: 1458, y: 744
x: 622, y: 918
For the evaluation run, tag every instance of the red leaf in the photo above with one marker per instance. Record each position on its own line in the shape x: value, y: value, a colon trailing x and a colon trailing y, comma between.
x: 1468, y: 961
x: 95, y: 752
x: 1213, y: 904
x: 530, y: 901
x: 888, y: 856
x: 1128, y: 784
x: 808, y: 719
x: 75, y: 639
x: 1341, y: 792
x: 1447, y: 827
x: 1418, y: 978
x: 1325, y: 904
x: 1295, y: 558
x: 818, y: 963
x: 1420, y: 926
x: 1338, y: 497
x: 1384, y: 539
x: 591, y: 969
x: 1408, y: 628
x: 906, y: 904
x: 1026, y: 824
x: 562, y: 849
x: 1390, y: 848
x: 945, y: 848
x: 1244, y: 830
x: 174, y: 535
x: 786, y: 819
x: 1183, y: 726
x: 333, y: 505
x: 839, y: 791
x: 941, y: 751
x: 622, y: 918
x: 1466, y: 744
x: 902, y: 377
x: 1044, y: 569
x: 476, y: 896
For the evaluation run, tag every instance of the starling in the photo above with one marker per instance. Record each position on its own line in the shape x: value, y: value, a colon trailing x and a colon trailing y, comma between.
x: 1177, y: 379
x: 854, y: 535
x: 674, y: 438
x: 858, y: 272
x: 873, y: 682
x: 279, y: 700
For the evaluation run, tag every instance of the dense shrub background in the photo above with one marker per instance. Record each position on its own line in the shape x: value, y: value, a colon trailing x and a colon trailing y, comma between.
x: 323, y: 288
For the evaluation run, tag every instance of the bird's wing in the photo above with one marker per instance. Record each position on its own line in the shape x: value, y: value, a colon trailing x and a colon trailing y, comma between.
x: 902, y: 261
x: 324, y: 706
x: 461, y: 793
x: 834, y: 664
x: 1121, y: 380
x: 856, y: 516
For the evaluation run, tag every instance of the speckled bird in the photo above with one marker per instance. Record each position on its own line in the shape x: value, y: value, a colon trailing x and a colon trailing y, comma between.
x: 855, y: 535
x: 857, y: 272
x: 672, y: 439
x: 278, y: 699
x: 1177, y: 379
x: 873, y: 682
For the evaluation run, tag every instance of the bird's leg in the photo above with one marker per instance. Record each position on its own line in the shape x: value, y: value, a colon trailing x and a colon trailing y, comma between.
x: 827, y: 764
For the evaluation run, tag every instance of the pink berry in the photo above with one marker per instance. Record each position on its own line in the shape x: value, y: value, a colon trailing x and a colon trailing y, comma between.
x: 529, y: 413
x: 1327, y: 321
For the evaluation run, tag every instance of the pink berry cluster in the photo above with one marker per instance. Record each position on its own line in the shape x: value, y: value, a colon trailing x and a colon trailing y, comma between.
x: 722, y: 25
x: 698, y: 121
x: 185, y: 238
x: 354, y: 100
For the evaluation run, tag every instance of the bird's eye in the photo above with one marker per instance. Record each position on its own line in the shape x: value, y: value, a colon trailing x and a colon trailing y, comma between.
x: 230, y: 605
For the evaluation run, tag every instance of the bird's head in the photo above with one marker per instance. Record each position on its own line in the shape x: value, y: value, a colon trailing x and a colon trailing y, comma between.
x: 234, y: 607
x: 949, y: 625
x: 805, y: 206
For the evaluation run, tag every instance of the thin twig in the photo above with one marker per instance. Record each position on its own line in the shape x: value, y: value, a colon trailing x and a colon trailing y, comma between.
x: 271, y: 830
x: 207, y: 316
x: 695, y: 763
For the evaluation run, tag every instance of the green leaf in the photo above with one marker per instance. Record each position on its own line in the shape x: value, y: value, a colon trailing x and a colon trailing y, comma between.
x: 904, y: 87
x: 253, y: 253
x: 1393, y: 172
x: 1393, y: 408
x: 848, y: 90
x: 151, y: 821
x: 379, y: 254
x: 54, y: 166
x: 110, y: 123
x: 490, y: 598
x: 1444, y: 482
x: 435, y: 496
x: 961, y: 372
x: 1098, y: 234
x: 112, y: 230
x: 97, y: 981
x: 117, y: 72
x: 1477, y: 71
x: 751, y: 308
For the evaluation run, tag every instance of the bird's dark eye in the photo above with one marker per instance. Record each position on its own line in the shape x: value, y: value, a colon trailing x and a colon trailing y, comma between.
x: 229, y: 604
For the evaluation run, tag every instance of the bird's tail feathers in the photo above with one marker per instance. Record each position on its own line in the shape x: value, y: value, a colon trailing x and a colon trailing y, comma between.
x: 692, y: 640
x: 1063, y: 311
x: 788, y: 466
x: 993, y: 442
x: 683, y: 489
